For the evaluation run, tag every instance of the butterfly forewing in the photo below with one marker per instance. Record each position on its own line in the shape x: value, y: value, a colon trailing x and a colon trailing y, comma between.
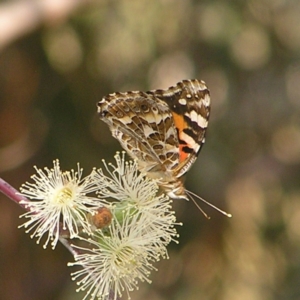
x: 189, y: 103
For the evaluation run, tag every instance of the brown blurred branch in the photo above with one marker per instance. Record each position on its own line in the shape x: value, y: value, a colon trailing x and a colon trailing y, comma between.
x: 19, y: 18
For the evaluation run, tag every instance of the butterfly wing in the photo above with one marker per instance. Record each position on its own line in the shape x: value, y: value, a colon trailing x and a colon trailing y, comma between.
x: 163, y: 129
x: 189, y: 103
x: 144, y: 126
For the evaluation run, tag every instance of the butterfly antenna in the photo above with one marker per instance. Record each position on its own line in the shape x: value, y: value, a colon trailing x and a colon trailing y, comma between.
x: 198, y: 206
x: 191, y: 194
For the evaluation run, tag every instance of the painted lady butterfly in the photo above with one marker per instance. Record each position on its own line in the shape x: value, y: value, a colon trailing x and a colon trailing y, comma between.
x: 163, y: 129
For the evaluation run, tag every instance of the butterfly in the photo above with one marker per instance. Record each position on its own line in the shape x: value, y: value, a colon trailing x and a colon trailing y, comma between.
x: 164, y: 130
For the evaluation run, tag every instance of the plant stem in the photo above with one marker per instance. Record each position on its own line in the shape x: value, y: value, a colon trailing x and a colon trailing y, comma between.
x: 12, y: 193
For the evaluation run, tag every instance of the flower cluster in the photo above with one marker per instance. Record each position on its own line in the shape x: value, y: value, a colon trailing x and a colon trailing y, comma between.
x: 58, y: 201
x: 119, y: 223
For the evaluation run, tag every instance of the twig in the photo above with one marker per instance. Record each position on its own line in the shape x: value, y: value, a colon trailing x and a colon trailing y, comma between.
x: 12, y: 193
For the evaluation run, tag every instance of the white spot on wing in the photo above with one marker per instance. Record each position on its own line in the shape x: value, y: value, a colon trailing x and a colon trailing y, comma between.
x: 126, y: 119
x: 182, y: 101
x: 193, y: 116
x: 202, y: 122
x: 151, y: 118
x: 189, y: 140
x: 148, y: 130
x: 206, y: 100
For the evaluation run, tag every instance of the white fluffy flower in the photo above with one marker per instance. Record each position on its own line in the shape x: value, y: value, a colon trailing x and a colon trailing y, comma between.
x: 117, y: 257
x: 120, y: 235
x: 137, y: 193
x: 58, y: 201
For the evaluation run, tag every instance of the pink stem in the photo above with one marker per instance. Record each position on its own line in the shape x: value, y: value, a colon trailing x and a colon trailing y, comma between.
x: 12, y: 193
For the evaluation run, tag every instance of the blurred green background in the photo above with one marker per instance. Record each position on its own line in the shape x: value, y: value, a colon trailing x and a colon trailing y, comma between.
x: 248, y: 52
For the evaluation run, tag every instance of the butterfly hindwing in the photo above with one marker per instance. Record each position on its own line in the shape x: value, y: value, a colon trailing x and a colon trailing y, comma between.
x: 144, y: 127
x: 189, y: 103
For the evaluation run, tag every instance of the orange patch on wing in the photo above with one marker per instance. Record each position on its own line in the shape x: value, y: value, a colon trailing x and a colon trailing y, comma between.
x: 182, y: 154
x: 180, y: 124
